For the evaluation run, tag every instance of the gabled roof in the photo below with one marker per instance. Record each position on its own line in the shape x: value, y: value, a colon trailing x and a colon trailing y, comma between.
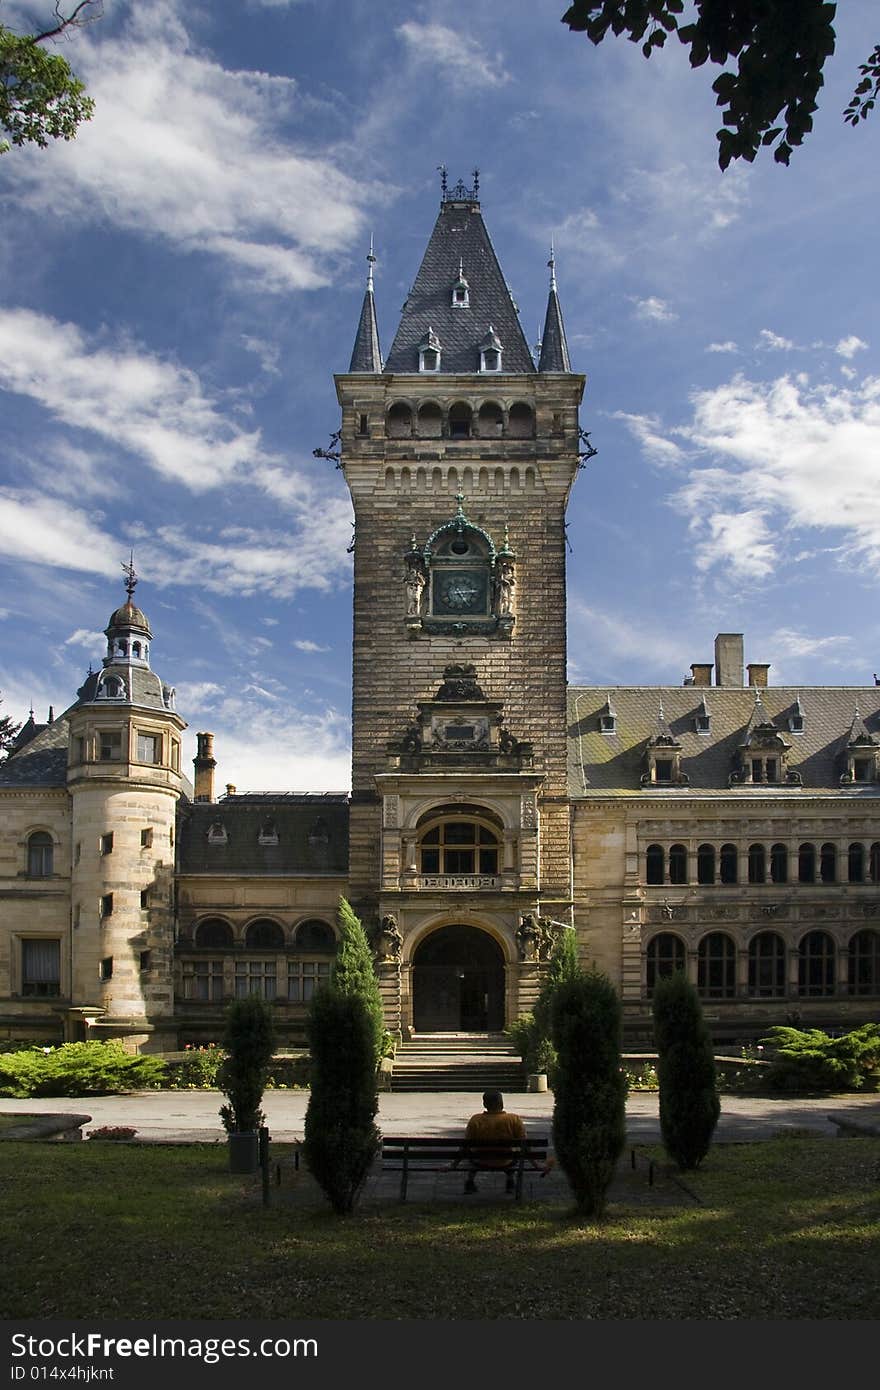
x: 459, y: 243
x: 612, y: 766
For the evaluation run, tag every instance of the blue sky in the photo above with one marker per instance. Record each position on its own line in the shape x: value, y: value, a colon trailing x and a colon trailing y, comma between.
x: 178, y: 285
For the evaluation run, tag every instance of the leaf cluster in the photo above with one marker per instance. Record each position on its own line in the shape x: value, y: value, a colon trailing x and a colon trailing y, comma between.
x: 8, y: 730
x: 811, y: 1060
x: 689, y: 1104
x: 778, y: 49
x: 40, y: 98
x: 78, y: 1069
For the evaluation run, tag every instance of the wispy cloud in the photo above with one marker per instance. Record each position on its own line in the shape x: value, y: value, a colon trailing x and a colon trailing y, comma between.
x: 654, y: 309
x: 196, y: 155
x: 94, y: 642
x: 727, y: 346
x: 648, y: 430
x: 304, y: 645
x: 848, y: 347
x: 451, y: 54
x: 773, y: 342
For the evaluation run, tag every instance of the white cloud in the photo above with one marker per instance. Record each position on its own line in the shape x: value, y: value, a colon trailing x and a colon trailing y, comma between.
x: 262, y: 744
x: 452, y: 54
x: 304, y: 645
x: 155, y: 409
x: 788, y: 642
x: 266, y: 353
x: 46, y: 531
x: 772, y: 342
x: 848, y: 347
x: 786, y: 457
x: 94, y: 642
x: 191, y: 153
x: 647, y: 430
x: 728, y: 346
x: 654, y: 309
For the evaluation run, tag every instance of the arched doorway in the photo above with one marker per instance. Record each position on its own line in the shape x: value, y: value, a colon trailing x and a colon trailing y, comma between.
x: 458, y: 982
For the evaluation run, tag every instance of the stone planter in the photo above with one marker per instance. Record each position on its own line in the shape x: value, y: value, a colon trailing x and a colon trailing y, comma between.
x: 244, y: 1152
x: 536, y: 1081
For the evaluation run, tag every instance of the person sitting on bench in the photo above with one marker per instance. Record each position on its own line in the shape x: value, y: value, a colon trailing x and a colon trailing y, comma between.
x: 494, y: 1123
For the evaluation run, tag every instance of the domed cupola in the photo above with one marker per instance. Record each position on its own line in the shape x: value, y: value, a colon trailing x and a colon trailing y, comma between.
x: 128, y: 632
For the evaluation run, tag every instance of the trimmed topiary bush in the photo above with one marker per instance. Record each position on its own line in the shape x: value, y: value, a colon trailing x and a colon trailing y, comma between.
x: 810, y: 1060
x: 589, y: 1112
x: 353, y: 972
x: 78, y: 1069
x: 689, y: 1104
x: 249, y: 1041
x: 341, y: 1137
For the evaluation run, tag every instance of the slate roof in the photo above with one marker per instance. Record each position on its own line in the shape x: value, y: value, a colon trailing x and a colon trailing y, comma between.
x: 366, y: 354
x: 312, y: 831
x: 459, y: 238
x: 41, y: 761
x: 145, y: 688
x: 612, y: 764
x: 554, y: 348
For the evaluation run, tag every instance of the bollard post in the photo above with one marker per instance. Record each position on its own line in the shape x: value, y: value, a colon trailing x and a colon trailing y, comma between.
x: 264, y: 1162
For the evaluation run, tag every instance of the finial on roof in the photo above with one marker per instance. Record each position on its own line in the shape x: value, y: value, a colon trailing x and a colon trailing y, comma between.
x: 131, y: 578
x: 371, y: 261
x: 552, y: 266
x: 32, y: 709
x: 442, y: 169
x: 476, y: 183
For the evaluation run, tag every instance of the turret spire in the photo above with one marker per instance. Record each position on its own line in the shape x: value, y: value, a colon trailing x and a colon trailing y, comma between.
x: 366, y: 354
x: 554, y: 348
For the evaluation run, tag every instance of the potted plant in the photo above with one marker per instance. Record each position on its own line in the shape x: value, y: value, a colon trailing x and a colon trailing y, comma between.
x: 249, y: 1042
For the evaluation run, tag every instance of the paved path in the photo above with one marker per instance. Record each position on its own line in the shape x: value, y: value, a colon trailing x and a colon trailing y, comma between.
x: 191, y: 1116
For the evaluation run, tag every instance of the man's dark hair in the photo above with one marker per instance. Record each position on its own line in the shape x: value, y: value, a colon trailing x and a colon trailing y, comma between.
x: 493, y: 1100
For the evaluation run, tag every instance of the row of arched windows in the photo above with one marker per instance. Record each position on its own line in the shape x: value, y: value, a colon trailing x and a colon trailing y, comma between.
x: 459, y: 421
x: 775, y: 863
x: 768, y: 964
x: 265, y: 934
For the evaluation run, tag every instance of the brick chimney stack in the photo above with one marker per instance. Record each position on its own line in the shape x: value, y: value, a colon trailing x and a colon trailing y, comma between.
x: 729, y: 659
x: 204, y: 764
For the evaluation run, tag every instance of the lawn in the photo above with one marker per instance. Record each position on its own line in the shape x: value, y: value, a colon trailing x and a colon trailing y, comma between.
x: 788, y: 1228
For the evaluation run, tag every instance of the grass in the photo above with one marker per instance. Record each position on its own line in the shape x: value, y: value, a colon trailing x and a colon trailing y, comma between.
x: 788, y: 1228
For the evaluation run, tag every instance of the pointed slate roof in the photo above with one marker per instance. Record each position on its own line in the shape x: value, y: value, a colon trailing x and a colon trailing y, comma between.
x: 459, y: 244
x: 554, y: 348
x: 366, y: 355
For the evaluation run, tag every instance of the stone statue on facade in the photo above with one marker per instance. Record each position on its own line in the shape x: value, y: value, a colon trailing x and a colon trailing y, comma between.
x: 505, y: 586
x: 414, y: 582
x: 527, y: 936
x: 389, y: 941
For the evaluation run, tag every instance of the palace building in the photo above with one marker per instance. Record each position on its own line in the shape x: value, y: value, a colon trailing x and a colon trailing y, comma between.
x: 725, y: 826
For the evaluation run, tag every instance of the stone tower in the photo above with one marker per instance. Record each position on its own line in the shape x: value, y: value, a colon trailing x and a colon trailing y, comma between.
x: 459, y: 454
x: 124, y: 781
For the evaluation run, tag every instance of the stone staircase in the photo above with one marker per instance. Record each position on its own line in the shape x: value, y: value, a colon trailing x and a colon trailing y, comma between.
x: 473, y: 1062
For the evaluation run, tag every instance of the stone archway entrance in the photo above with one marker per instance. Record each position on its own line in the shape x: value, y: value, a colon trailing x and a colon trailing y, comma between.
x: 458, y: 982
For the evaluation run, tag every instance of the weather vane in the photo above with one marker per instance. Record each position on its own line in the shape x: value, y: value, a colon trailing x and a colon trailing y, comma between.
x: 131, y: 578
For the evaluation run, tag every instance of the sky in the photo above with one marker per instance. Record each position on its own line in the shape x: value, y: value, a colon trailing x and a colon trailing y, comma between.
x: 180, y: 282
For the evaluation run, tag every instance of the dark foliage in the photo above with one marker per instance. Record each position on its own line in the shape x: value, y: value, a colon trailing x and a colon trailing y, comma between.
x: 341, y: 1137
x: 776, y: 50
x: 8, y: 732
x: 810, y: 1060
x: 353, y: 971
x: 689, y: 1104
x: 589, y: 1113
x: 249, y: 1041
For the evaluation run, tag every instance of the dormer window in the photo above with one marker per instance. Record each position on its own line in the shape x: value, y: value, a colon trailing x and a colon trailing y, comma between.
x: 268, y: 833
x: 607, y: 719
x: 217, y: 833
x: 796, y: 721
x: 429, y: 352
x: 490, y: 352
x: 703, y: 719
x: 461, y: 290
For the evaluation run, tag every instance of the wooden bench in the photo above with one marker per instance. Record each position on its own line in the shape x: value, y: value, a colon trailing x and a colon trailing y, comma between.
x: 431, y: 1154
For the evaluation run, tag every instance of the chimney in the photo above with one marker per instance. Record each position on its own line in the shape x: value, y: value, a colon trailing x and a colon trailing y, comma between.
x: 230, y: 789
x: 204, y: 764
x: 51, y: 714
x: 729, y: 659
x: 701, y: 673
x: 758, y: 673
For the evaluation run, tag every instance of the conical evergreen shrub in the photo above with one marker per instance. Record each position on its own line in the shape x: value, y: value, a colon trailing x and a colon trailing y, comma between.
x: 689, y: 1104
x: 589, y: 1112
x: 249, y: 1041
x: 353, y: 972
x: 341, y: 1137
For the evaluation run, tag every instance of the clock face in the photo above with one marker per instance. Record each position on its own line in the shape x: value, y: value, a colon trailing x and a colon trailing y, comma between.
x: 460, y: 592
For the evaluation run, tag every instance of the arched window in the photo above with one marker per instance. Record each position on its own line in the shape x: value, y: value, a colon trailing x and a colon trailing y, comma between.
x: 757, y: 864
x: 779, y: 863
x: 807, y: 863
x: 491, y: 420
x: 459, y: 847
x: 728, y: 863
x: 864, y: 963
x: 716, y: 966
x: 678, y: 864
x: 214, y: 932
x: 654, y: 860
x: 665, y: 955
x: 816, y: 965
x: 399, y: 421
x: 264, y: 935
x: 40, y: 855
x: 316, y: 937
x: 828, y: 863
x: 874, y: 862
x: 706, y: 864
x: 459, y: 421
x: 767, y: 971
x: 520, y: 421
x: 856, y: 862
x: 430, y: 421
